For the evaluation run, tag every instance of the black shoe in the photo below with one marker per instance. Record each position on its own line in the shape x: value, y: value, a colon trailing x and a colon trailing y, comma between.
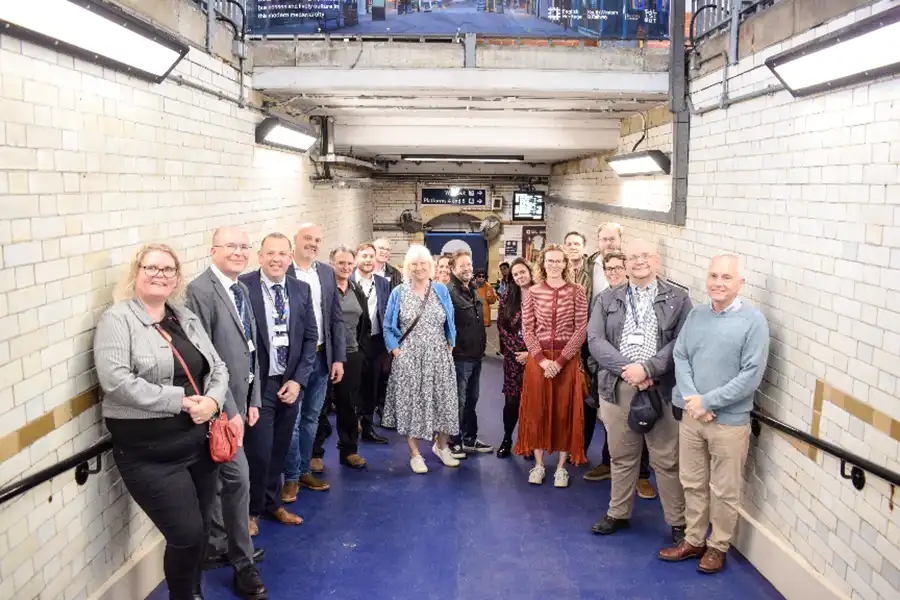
x: 677, y: 535
x: 477, y: 446
x: 371, y: 436
x: 248, y: 584
x: 607, y: 525
x: 505, y: 449
x: 456, y: 451
x: 216, y: 561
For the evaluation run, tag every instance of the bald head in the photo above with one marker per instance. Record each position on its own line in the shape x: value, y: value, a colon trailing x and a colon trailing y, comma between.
x: 230, y: 250
x: 724, y: 280
x: 641, y: 262
x: 306, y: 244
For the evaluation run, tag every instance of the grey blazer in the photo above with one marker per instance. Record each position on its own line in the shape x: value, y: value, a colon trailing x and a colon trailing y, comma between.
x: 135, y: 365
x: 213, y: 305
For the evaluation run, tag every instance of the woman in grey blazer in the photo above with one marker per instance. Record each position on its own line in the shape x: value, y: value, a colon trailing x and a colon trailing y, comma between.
x: 149, y: 353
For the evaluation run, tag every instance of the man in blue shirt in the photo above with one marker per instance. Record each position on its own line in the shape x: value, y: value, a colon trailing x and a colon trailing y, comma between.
x: 720, y: 359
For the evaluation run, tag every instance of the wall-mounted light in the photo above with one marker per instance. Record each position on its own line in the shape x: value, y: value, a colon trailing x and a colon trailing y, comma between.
x: 96, y: 32
x: 646, y: 162
x: 865, y: 50
x: 461, y: 158
x: 288, y: 136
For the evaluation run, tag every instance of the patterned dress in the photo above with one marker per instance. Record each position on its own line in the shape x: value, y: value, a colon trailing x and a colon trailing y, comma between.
x: 421, y: 394
x: 512, y: 341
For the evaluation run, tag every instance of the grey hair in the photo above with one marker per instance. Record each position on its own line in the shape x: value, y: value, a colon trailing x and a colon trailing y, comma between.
x: 339, y: 249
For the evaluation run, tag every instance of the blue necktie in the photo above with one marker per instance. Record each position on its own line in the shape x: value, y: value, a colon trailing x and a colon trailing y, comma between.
x: 244, y: 314
x: 280, y: 319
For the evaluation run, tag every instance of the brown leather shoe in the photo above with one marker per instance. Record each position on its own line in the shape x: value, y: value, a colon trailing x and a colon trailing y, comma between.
x: 682, y: 551
x: 288, y: 518
x: 311, y: 482
x: 289, y: 491
x: 645, y: 489
x: 354, y: 461
x: 598, y: 473
x: 254, y: 526
x: 712, y: 562
x: 317, y: 465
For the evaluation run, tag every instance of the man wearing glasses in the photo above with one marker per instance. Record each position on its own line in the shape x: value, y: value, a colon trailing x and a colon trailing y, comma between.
x: 631, y: 334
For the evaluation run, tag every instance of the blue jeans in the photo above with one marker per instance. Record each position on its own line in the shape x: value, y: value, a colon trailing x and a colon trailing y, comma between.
x: 313, y: 397
x: 468, y: 380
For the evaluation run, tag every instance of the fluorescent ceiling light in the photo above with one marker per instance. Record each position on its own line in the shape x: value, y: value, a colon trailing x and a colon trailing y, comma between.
x: 96, y: 32
x: 647, y: 162
x: 865, y: 50
x: 457, y: 158
x: 281, y: 134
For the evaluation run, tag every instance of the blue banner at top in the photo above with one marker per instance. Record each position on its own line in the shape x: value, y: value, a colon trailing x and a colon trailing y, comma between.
x: 577, y: 19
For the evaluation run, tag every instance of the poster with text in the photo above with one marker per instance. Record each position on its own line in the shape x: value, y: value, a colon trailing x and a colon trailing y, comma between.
x: 534, y: 238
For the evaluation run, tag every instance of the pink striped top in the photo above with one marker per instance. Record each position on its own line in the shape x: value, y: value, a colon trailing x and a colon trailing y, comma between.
x: 555, y: 319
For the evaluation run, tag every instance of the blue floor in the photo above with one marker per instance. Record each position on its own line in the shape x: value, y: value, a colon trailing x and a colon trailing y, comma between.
x: 480, y: 532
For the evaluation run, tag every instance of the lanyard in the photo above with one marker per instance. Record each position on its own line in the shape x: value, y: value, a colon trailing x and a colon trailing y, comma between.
x: 272, y: 300
x: 634, y: 310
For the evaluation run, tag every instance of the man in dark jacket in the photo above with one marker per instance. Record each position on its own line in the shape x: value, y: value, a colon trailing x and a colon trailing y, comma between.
x: 631, y: 335
x: 471, y: 340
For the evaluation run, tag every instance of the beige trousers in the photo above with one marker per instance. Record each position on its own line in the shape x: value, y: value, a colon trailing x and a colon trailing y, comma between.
x: 712, y: 467
x: 625, y: 448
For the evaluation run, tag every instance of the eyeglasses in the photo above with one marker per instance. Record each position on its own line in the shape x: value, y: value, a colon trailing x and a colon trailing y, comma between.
x: 551, y: 261
x: 153, y: 271
x: 618, y: 269
x: 645, y: 257
x: 234, y: 247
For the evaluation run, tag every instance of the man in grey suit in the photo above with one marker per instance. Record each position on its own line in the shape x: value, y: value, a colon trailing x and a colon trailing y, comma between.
x: 223, y: 305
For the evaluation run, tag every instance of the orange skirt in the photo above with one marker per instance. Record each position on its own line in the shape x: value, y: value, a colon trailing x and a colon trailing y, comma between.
x: 551, y: 413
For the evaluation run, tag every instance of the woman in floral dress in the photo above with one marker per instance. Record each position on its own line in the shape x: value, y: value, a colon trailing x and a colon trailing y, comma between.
x: 515, y: 354
x: 420, y: 334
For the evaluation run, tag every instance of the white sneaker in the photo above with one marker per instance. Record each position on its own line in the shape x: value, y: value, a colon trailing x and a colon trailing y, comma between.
x: 445, y: 456
x: 536, y: 475
x: 561, y: 478
x: 417, y: 463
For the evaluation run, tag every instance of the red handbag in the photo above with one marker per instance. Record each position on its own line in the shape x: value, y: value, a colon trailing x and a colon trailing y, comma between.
x: 223, y: 441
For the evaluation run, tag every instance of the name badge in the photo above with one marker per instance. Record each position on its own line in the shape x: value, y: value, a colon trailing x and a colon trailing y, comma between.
x: 279, y: 329
x: 279, y: 341
x: 635, y: 339
x: 251, y: 346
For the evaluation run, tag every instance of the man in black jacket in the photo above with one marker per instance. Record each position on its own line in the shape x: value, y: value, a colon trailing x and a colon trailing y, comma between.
x: 383, y: 266
x: 471, y: 340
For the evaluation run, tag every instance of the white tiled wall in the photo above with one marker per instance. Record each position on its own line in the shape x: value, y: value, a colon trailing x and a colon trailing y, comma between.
x: 807, y: 191
x: 92, y: 165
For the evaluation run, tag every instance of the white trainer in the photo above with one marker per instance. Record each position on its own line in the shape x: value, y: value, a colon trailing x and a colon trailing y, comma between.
x: 536, y: 475
x: 417, y: 463
x: 561, y: 478
x: 445, y: 456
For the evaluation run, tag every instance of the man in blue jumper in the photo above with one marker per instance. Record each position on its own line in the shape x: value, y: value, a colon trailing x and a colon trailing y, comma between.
x: 720, y: 358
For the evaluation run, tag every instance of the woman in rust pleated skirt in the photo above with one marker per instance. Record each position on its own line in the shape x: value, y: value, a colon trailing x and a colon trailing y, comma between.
x: 554, y: 324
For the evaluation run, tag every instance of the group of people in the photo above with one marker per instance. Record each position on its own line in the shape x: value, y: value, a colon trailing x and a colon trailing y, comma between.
x: 580, y: 336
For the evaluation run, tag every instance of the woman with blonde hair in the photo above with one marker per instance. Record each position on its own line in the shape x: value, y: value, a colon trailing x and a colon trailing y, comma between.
x: 554, y: 325
x: 420, y: 334
x: 162, y: 382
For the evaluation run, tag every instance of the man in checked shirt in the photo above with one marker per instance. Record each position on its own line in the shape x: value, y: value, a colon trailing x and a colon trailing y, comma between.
x: 631, y: 335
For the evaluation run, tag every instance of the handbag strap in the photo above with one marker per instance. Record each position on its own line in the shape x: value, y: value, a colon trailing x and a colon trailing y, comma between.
x: 418, y: 316
x: 168, y: 338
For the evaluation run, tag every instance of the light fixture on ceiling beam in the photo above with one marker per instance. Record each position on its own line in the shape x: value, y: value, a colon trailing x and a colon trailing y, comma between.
x: 94, y: 31
x: 461, y: 158
x: 287, y: 136
x: 862, y: 51
x: 646, y: 162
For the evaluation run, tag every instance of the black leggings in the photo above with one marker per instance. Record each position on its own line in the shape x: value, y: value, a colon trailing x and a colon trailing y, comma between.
x: 510, y: 415
x: 177, y: 493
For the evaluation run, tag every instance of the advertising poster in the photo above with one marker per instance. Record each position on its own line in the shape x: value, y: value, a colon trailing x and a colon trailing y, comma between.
x: 534, y: 238
x: 548, y: 19
x: 511, y: 248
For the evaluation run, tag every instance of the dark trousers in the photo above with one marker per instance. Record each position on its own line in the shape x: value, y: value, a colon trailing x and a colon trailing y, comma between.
x: 176, y: 492
x: 468, y: 379
x: 373, y: 384
x: 266, y: 445
x: 645, y: 453
x: 347, y: 406
x: 511, y: 415
x: 230, y: 528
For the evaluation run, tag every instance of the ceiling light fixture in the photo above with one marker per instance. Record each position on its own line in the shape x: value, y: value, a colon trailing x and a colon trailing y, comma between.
x: 646, y: 162
x: 862, y: 51
x: 460, y: 158
x: 288, y: 136
x: 96, y: 32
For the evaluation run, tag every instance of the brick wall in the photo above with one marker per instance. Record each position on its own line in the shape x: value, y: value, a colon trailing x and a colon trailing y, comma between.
x: 808, y: 192
x: 93, y: 164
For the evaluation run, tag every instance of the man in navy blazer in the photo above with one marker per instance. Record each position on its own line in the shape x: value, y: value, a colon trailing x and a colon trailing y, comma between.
x: 331, y: 352
x: 286, y: 336
x: 374, y: 384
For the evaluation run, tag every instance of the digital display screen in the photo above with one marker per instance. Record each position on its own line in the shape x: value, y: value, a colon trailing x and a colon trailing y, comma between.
x: 548, y: 19
x: 528, y: 206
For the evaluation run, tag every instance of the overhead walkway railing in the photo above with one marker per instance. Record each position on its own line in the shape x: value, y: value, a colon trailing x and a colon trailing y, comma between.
x: 859, y: 466
x: 712, y: 16
x: 79, y: 461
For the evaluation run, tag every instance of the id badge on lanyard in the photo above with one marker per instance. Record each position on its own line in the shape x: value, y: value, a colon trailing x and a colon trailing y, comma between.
x: 636, y: 338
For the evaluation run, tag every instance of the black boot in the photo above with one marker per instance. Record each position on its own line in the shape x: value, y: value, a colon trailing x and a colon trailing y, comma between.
x: 249, y: 585
x: 505, y: 449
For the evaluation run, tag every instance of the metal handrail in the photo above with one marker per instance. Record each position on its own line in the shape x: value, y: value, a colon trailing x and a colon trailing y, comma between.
x: 717, y: 17
x: 859, y: 465
x: 78, y: 461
